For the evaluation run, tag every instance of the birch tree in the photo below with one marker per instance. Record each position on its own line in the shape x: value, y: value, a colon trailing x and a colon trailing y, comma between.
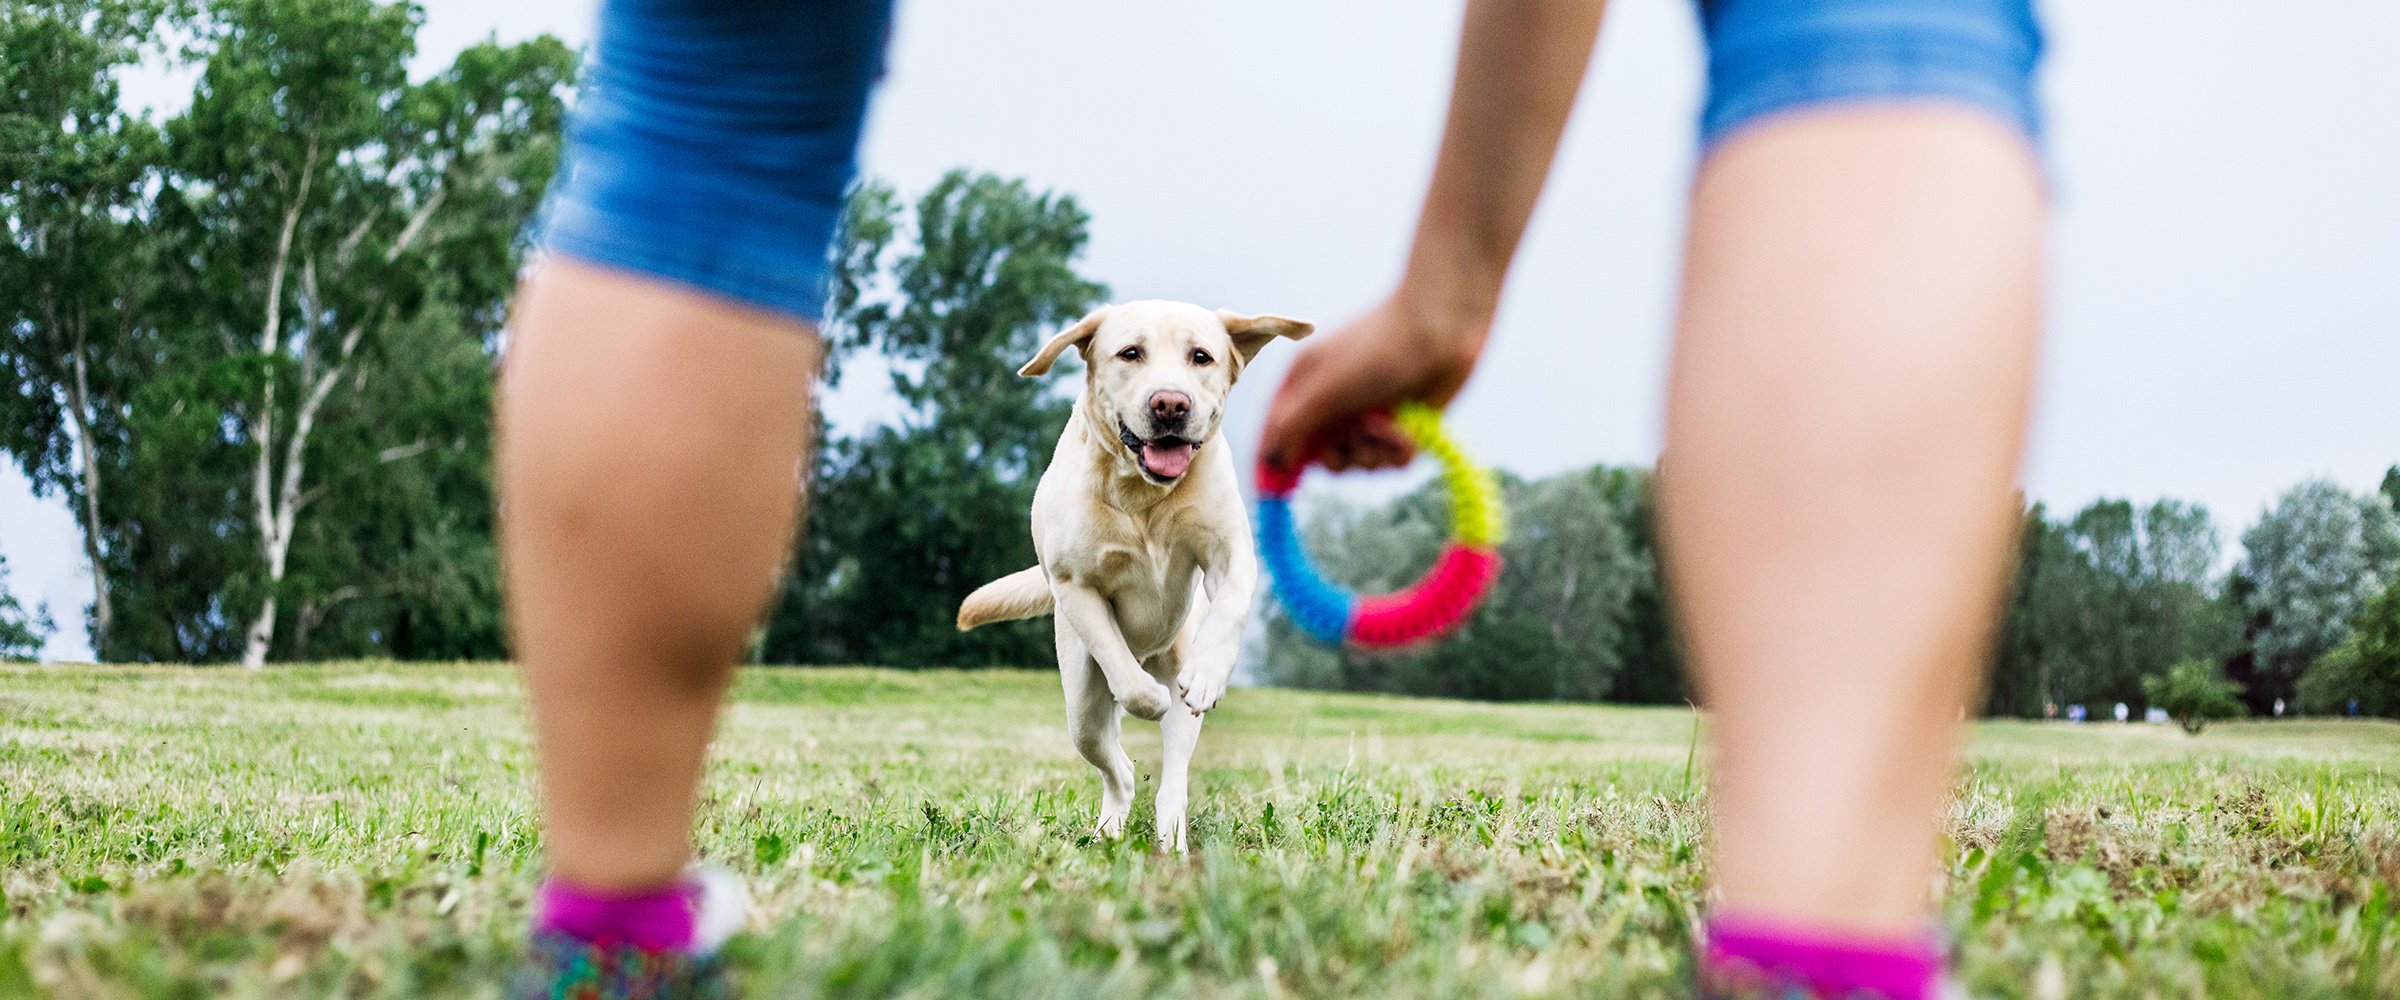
x: 330, y: 201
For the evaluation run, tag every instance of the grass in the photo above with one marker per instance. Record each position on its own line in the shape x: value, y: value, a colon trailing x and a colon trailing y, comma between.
x: 364, y: 830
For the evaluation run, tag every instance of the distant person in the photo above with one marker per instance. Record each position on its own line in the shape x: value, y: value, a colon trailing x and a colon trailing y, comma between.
x: 1847, y: 410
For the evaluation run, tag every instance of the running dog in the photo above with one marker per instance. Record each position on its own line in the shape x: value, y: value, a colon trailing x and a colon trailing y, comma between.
x: 1146, y: 560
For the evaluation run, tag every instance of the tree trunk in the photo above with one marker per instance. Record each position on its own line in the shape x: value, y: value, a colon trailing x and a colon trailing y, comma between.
x: 279, y: 499
x: 103, y: 612
x: 261, y: 632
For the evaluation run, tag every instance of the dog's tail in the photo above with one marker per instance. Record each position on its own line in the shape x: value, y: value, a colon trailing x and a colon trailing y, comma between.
x: 1022, y: 594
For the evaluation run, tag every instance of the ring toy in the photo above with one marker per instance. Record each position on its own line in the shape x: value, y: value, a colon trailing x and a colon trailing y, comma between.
x: 1438, y: 601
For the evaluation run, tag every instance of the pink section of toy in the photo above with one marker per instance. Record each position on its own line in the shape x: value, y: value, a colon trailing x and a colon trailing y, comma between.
x: 1435, y: 604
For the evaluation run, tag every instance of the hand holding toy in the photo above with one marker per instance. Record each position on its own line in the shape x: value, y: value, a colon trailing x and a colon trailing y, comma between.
x: 1438, y: 601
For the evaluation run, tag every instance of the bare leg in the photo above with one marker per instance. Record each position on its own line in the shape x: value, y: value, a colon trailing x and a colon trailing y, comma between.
x: 1179, y: 734
x: 650, y: 440
x: 1093, y: 720
x: 1845, y: 421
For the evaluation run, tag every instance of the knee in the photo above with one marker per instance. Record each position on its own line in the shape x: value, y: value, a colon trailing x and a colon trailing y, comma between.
x: 1769, y: 57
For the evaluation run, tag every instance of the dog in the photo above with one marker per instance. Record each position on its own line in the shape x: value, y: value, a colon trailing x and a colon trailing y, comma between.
x: 1147, y: 564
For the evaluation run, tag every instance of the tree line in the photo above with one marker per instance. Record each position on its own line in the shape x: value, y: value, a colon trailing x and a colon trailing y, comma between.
x: 2108, y: 602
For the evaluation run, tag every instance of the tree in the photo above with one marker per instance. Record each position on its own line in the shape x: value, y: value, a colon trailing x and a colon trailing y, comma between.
x: 77, y: 272
x: 906, y: 518
x: 327, y: 203
x: 267, y: 327
x: 1651, y: 671
x: 2019, y: 684
x: 2312, y: 562
x: 2114, y: 595
x: 21, y: 632
x: 2193, y: 695
x: 2391, y: 488
x: 2364, y: 669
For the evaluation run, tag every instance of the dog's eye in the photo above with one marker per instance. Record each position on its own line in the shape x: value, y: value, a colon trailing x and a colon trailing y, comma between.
x: 1130, y: 354
x: 1200, y: 357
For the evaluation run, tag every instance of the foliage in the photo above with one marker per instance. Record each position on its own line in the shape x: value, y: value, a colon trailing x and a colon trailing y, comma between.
x: 2363, y: 672
x: 1345, y: 846
x: 78, y: 272
x: 2312, y: 562
x: 2193, y: 693
x: 2018, y: 685
x: 266, y: 326
x: 22, y: 632
x: 906, y: 518
x: 1577, y: 614
x: 2111, y: 596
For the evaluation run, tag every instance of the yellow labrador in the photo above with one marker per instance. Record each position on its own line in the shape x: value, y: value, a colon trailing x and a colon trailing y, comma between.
x: 1137, y: 513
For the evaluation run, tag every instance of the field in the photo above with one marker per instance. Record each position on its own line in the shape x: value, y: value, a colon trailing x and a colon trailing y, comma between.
x: 363, y: 830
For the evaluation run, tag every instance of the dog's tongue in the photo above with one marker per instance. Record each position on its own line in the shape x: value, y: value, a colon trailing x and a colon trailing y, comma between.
x: 1167, y: 460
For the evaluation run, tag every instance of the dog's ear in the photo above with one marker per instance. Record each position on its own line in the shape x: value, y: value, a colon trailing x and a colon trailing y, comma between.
x: 1074, y: 336
x: 1251, y: 333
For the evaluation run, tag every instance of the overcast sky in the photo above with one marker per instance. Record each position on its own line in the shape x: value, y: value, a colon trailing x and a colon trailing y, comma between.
x: 2225, y: 313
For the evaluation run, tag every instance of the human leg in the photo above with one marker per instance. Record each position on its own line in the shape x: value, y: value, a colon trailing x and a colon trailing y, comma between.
x: 653, y: 422
x: 649, y: 439
x: 1845, y: 420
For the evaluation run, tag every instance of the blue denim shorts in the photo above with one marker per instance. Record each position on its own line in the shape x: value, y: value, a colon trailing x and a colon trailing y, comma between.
x: 1767, y: 57
x: 716, y: 139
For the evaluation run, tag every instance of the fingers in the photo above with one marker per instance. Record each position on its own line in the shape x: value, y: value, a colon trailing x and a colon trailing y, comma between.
x: 1370, y: 440
x: 1334, y: 405
x: 1323, y: 410
x: 1294, y: 418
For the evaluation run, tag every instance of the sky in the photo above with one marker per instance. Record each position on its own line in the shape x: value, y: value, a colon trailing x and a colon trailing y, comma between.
x: 2224, y: 311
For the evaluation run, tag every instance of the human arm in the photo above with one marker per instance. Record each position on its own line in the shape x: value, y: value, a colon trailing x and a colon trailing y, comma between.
x: 1520, y: 64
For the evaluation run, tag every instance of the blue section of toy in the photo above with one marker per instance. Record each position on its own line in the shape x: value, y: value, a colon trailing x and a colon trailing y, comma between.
x: 1320, y: 609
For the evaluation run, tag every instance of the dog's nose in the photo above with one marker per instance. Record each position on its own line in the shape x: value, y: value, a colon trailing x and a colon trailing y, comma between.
x: 1167, y: 405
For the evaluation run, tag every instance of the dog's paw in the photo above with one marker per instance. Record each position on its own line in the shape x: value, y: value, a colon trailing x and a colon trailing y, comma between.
x: 1150, y: 702
x: 1112, y: 821
x: 1201, y: 690
x: 1172, y: 838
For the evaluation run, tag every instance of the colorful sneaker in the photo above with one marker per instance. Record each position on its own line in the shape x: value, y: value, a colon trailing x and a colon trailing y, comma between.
x: 559, y: 965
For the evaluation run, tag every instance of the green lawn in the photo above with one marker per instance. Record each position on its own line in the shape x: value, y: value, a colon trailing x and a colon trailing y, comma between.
x: 364, y: 831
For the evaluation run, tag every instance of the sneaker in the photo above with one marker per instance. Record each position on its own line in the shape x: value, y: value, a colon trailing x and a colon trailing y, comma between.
x: 560, y: 966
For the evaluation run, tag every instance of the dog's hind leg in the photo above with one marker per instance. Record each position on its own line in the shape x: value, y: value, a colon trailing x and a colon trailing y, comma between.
x: 1179, y: 733
x: 1093, y: 719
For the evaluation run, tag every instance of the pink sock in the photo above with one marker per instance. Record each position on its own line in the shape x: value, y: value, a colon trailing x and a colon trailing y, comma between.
x: 1746, y: 954
x: 657, y: 920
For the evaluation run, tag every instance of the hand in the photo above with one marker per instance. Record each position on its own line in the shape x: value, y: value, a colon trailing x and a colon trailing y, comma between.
x: 1335, y: 406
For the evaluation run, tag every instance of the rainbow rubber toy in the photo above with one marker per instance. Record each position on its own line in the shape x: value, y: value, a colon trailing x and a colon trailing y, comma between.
x: 1438, y: 601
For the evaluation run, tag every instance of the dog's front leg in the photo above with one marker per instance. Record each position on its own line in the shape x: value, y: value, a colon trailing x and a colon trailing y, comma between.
x: 1084, y: 610
x: 1229, y: 577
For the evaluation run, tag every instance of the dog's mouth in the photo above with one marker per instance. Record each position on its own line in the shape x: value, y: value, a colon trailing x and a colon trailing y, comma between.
x: 1163, y: 459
